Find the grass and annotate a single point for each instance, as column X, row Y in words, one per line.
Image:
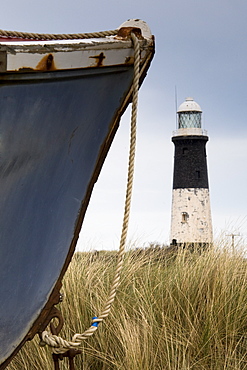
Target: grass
column 183, row 311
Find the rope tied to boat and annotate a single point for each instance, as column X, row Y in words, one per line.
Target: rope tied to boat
column 59, row 344
column 58, row 36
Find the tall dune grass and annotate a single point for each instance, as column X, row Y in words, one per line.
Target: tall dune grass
column 173, row 311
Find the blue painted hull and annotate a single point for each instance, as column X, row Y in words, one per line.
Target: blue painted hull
column 55, row 131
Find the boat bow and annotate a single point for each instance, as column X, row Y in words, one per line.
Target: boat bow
column 60, row 106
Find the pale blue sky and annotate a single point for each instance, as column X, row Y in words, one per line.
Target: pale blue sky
column 201, row 49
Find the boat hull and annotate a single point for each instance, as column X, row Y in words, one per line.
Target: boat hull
column 55, row 130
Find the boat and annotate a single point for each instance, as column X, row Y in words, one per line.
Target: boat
column 60, row 107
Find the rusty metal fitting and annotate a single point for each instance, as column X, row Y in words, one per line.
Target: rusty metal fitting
column 124, row 33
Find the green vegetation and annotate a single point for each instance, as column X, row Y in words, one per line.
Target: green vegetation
column 174, row 311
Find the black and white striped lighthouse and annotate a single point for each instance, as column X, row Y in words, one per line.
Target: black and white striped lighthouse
column 191, row 222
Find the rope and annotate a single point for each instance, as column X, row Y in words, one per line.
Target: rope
column 50, row 36
column 59, row 344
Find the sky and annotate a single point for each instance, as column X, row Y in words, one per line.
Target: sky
column 201, row 51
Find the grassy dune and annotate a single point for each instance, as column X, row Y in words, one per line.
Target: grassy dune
column 173, row 311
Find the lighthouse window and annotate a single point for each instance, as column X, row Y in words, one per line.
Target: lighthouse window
column 189, row 120
column 185, row 150
column 198, row 174
column 185, row 217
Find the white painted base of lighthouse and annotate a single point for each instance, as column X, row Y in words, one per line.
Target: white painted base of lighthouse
column 191, row 216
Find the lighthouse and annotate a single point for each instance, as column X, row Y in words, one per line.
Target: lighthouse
column 191, row 223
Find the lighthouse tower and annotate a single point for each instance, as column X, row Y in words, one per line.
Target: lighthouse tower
column 191, row 223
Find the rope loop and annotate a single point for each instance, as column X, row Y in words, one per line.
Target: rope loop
column 58, row 344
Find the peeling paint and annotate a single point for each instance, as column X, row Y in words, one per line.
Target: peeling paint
column 198, row 225
column 86, row 54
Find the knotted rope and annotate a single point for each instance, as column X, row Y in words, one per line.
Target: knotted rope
column 59, row 344
column 48, row 36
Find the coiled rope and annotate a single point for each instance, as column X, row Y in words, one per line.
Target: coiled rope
column 59, row 344
column 60, row 36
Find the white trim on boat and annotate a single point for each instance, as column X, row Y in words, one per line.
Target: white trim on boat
column 72, row 54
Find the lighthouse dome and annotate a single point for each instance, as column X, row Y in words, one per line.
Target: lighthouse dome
column 189, row 105
column 189, row 115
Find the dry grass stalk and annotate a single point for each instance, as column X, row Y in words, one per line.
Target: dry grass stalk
column 175, row 312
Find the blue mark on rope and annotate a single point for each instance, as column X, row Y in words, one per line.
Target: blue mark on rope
column 95, row 323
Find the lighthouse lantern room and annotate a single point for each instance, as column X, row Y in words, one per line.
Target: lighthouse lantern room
column 191, row 223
